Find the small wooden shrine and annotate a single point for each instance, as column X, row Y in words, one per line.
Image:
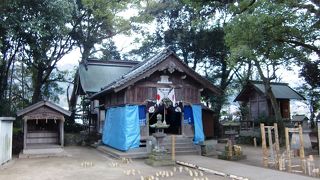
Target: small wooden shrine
column 43, row 128
column 259, row 105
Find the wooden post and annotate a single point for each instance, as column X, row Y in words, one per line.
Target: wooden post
column 276, row 138
column 229, row 149
column 288, row 149
column 264, row 146
column 62, row 132
column 270, row 143
column 147, row 123
column 255, row 142
column 302, row 157
column 318, row 124
column 173, row 148
column 25, row 131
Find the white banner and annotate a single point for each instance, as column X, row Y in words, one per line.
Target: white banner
column 166, row 93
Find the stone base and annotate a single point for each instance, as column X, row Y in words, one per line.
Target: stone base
column 232, row 158
column 153, row 162
column 159, row 158
column 40, row 152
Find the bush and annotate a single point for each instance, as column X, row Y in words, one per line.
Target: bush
column 17, row 140
column 73, row 127
column 248, row 140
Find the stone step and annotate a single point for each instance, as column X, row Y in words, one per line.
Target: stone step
column 133, row 153
column 186, row 152
column 179, row 140
column 178, row 149
column 178, row 144
column 42, row 140
column 39, row 135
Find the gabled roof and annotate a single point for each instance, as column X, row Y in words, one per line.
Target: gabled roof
column 97, row 74
column 149, row 65
column 299, row 118
column 43, row 103
column 280, row 91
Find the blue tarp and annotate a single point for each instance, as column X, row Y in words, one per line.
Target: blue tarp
column 188, row 115
column 198, row 128
column 121, row 128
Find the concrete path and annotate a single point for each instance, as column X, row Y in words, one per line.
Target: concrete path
column 235, row 168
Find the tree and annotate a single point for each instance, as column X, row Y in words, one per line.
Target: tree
column 95, row 21
column 272, row 33
column 45, row 35
column 10, row 45
column 311, row 89
column 109, row 51
column 196, row 36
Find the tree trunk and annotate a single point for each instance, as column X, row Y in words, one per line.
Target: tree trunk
column 219, row 101
column 273, row 100
column 37, row 85
column 269, row 93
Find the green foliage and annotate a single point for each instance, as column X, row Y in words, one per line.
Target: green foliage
column 311, row 73
column 273, row 30
column 248, row 140
column 95, row 21
column 109, row 51
column 272, row 33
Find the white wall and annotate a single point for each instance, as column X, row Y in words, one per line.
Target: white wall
column 6, row 124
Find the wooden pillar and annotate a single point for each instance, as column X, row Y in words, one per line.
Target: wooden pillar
column 288, row 149
column 264, row 146
column 25, row 130
column 302, row 156
column 62, row 132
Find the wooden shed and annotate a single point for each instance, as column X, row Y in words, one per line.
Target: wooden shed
column 6, row 128
column 43, row 127
column 258, row 104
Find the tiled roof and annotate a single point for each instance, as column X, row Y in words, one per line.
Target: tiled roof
column 43, row 103
column 97, row 74
column 135, row 72
column 279, row 90
column 139, row 69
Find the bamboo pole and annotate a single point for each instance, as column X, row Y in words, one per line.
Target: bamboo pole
column 288, row 149
column 264, row 146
